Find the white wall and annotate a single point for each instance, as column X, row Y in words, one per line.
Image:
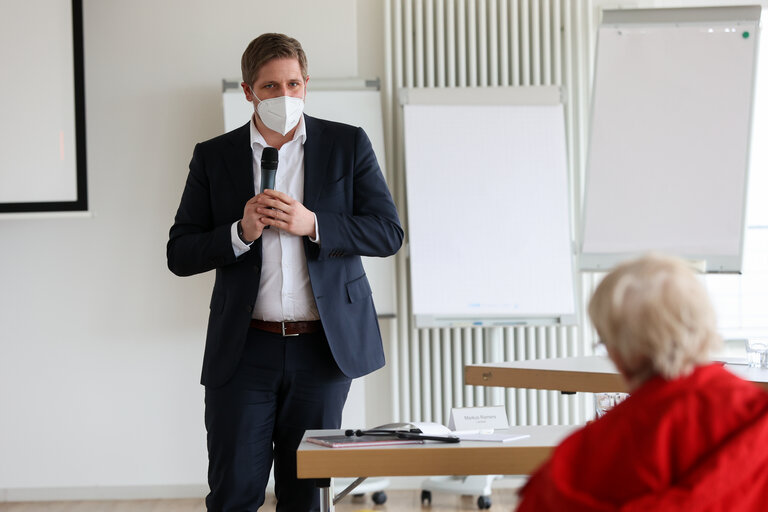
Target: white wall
column 100, row 345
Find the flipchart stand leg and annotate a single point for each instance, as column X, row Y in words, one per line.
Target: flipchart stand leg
column 494, row 342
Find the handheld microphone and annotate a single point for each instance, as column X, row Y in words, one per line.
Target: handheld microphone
column 268, row 168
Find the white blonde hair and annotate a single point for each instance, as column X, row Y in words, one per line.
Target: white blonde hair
column 655, row 317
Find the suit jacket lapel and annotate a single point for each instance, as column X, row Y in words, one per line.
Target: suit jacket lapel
column 240, row 169
column 317, row 152
column 240, row 163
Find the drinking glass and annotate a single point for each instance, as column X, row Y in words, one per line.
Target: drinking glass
column 757, row 352
column 604, row 402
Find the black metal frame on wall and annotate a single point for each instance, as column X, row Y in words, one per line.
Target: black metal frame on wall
column 81, row 202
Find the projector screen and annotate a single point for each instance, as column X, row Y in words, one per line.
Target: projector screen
column 42, row 129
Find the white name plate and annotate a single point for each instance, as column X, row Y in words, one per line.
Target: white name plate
column 478, row 418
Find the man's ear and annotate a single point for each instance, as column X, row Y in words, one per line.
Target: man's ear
column 247, row 91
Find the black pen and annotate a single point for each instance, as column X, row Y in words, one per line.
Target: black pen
column 379, row 432
column 426, row 437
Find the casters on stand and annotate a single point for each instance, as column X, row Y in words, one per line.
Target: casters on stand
column 379, row 497
column 472, row 485
column 484, row 502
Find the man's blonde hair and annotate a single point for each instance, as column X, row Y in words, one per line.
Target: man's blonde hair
column 654, row 315
column 267, row 47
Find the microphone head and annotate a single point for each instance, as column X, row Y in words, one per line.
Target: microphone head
column 269, row 159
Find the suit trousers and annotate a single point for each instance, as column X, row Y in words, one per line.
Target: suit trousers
column 282, row 387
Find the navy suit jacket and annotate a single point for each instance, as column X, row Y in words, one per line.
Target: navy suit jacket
column 344, row 187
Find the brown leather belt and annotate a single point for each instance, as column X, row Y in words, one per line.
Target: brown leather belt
column 288, row 328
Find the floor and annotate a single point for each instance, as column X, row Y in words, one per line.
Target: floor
column 397, row 500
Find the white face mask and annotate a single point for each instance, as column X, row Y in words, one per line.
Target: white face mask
column 280, row 114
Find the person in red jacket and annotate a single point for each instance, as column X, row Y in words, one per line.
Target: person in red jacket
column 690, row 437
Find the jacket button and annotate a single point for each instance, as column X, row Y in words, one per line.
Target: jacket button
column 249, row 308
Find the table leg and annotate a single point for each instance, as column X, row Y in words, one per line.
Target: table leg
column 326, row 494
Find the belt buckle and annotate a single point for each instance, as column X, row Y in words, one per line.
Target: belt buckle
column 282, row 328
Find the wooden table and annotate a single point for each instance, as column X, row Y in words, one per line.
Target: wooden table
column 466, row 458
column 594, row 374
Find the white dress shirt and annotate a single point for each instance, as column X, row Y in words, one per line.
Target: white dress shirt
column 285, row 292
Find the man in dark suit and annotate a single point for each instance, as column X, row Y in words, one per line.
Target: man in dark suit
column 292, row 319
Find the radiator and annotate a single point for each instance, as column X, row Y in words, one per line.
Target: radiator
column 481, row 43
column 430, row 370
